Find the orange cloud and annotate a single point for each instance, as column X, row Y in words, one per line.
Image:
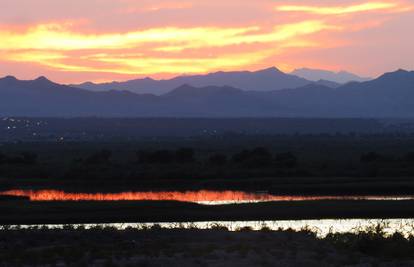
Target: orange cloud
column 338, row 10
column 163, row 38
column 152, row 50
column 57, row 37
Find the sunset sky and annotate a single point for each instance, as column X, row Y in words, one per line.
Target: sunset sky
column 102, row 40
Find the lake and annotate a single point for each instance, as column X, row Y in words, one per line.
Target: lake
column 207, row 197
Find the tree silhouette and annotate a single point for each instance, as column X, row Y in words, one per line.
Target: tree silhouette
column 258, row 157
column 29, row 157
column 184, row 155
column 286, row 160
column 409, row 157
column 371, row 157
column 155, row 157
column 217, row 159
column 100, row 157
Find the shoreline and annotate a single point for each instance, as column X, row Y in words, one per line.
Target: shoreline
column 28, row 213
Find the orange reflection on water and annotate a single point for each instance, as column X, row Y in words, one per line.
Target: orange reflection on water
column 202, row 196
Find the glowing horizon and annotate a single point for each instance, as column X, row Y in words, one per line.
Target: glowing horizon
column 73, row 42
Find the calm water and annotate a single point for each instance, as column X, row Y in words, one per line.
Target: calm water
column 205, row 197
column 320, row 227
column 202, row 196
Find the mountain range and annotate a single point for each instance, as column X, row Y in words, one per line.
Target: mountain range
column 263, row 80
column 341, row 77
column 390, row 95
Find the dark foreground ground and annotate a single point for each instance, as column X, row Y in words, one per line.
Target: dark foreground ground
column 26, row 212
column 217, row 247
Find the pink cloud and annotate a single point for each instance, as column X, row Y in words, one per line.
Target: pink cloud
column 73, row 41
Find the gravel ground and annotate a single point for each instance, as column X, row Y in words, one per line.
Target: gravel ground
column 218, row 247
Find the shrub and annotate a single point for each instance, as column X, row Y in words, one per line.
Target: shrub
column 286, row 160
column 258, row 157
column 24, row 158
column 371, row 157
column 184, row 155
column 158, row 157
column 218, row 159
column 100, row 157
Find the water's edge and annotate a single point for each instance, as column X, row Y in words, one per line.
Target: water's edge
column 320, row 227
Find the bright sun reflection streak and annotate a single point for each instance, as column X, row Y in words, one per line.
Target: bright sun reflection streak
column 320, row 227
column 202, row 197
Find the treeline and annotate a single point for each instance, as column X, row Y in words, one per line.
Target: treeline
column 182, row 155
column 26, row 158
column 373, row 157
column 189, row 163
column 249, row 158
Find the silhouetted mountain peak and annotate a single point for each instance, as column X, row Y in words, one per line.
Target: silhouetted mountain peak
column 271, row 70
column 398, row 74
column 182, row 90
column 9, row 78
column 43, row 80
column 88, row 84
column 402, row 70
